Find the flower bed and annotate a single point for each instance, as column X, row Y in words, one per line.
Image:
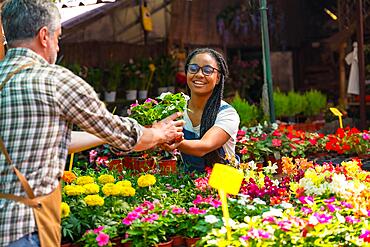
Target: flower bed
column 308, row 205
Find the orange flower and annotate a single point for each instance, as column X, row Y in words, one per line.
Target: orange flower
column 68, row 177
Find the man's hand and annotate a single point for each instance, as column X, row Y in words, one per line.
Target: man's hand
column 170, row 129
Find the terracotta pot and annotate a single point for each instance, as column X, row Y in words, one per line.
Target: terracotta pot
column 167, row 166
column 116, row 165
column 178, row 241
column 190, row 242
column 142, row 165
column 166, row 244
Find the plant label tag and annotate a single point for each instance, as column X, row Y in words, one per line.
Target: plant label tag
column 226, row 178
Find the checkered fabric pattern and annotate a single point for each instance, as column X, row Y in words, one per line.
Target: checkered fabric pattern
column 37, row 107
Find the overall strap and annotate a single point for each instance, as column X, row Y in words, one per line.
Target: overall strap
column 20, row 176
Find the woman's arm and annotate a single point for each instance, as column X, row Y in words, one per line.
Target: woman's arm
column 213, row 139
column 81, row 141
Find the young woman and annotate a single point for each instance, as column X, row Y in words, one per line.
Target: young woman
column 211, row 124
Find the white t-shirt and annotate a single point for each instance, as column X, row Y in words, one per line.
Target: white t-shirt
column 227, row 119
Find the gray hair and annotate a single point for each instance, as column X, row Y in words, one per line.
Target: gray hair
column 23, row 19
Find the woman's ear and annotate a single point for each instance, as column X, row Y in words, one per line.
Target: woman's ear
column 218, row 78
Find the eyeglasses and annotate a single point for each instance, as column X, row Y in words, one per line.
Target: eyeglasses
column 207, row 70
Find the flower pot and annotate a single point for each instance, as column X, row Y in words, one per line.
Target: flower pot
column 167, row 166
column 190, row 242
column 178, row 241
column 143, row 94
column 116, row 165
column 110, row 96
column 131, row 94
column 166, row 244
column 162, row 90
column 142, row 165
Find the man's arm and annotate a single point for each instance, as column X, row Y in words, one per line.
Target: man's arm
column 81, row 141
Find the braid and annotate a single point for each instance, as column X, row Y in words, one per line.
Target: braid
column 213, row 104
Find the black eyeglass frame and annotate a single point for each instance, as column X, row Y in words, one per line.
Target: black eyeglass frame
column 201, row 68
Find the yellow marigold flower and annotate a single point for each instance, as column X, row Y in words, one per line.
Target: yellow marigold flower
column 84, row 180
column 124, row 183
column 73, row 190
column 127, row 191
column 105, row 178
column 110, row 189
column 146, row 180
column 91, row 189
column 68, row 177
column 94, row 200
column 65, row 210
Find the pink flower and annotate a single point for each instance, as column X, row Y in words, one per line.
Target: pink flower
column 194, row 210
column 365, row 234
column 332, row 208
column 164, row 212
column 285, row 225
column 215, row 203
column 149, row 100
column 365, row 136
column 134, row 104
column 102, row 239
column 241, row 133
column 276, row 142
column 99, row 229
column 331, row 199
column 346, row 204
column 306, row 200
column 151, row 218
column 323, row 218
column 126, row 222
column 306, row 210
column 352, row 219
column 178, row 211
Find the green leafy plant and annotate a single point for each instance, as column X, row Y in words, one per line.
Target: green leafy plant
column 114, row 77
column 281, row 103
column 296, row 103
column 165, row 74
column 316, row 102
column 152, row 110
column 249, row 114
column 95, row 78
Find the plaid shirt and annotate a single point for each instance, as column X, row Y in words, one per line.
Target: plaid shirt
column 37, row 107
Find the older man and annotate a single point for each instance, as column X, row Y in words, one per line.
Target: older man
column 38, row 103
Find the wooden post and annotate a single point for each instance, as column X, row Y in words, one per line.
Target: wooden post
column 342, row 75
column 361, row 63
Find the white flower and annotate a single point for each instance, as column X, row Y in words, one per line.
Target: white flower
column 286, row 205
column 161, row 97
column 252, row 165
column 211, row 219
column 271, row 168
column 313, row 220
column 277, row 212
column 250, row 207
column 340, row 218
column 259, row 201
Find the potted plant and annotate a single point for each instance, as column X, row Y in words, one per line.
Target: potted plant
column 249, row 114
column 132, row 75
column 316, row 102
column 165, row 74
column 95, row 78
column 147, row 69
column 114, row 78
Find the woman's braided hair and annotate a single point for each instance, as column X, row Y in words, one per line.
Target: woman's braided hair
column 213, row 104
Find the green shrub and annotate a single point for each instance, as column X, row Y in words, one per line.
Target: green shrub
column 296, row 104
column 316, row 103
column 249, row 114
column 281, row 103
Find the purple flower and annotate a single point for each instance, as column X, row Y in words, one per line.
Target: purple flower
column 332, row 208
column 346, row 204
column 306, row 210
column 352, row 219
column 364, row 234
column 330, row 200
column 323, row 218
column 102, row 239
column 306, row 200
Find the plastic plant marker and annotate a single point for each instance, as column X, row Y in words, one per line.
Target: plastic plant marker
column 337, row 113
column 114, row 110
column 71, row 161
column 227, row 180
